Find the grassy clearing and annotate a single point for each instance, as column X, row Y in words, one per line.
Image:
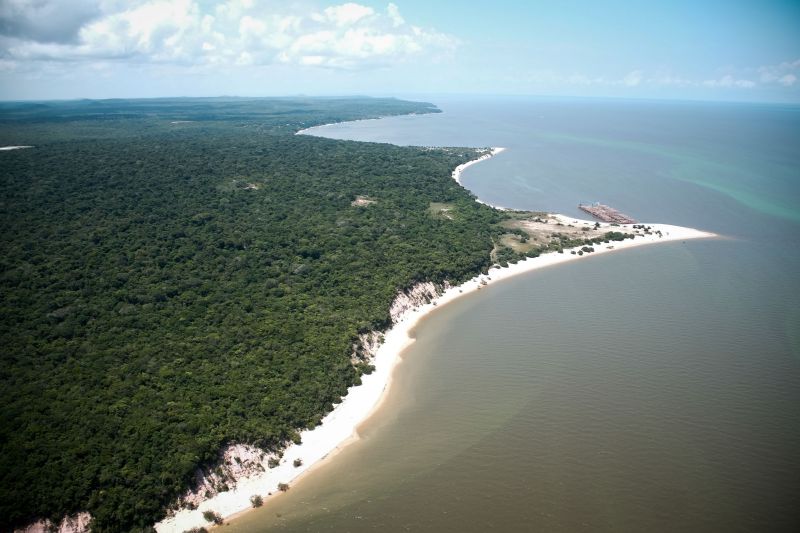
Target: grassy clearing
column 441, row 210
column 518, row 243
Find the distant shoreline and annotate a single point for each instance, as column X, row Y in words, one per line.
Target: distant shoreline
column 9, row 148
column 340, row 426
column 305, row 131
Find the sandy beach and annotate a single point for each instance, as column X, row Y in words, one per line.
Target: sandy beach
column 340, row 426
column 462, row 167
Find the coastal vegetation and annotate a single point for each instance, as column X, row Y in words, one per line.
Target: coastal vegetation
column 182, row 274
column 213, row 517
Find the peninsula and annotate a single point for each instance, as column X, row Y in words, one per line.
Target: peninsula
column 554, row 239
column 201, row 305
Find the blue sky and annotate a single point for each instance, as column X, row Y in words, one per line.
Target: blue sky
column 707, row 50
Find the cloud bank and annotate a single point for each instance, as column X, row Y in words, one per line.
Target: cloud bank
column 782, row 75
column 221, row 33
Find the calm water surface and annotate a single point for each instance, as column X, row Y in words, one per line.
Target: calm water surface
column 656, row 389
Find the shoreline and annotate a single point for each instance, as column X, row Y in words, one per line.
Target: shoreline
column 462, row 167
column 493, row 151
column 305, row 131
column 340, row 427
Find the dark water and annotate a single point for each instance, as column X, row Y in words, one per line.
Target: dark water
column 656, row 389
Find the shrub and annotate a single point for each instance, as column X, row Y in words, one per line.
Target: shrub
column 297, row 462
column 283, row 487
column 272, row 462
column 212, row 516
column 256, row 500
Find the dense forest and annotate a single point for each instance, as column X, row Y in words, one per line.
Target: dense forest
column 178, row 274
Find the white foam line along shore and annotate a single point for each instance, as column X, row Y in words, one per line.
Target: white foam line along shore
column 7, row 148
column 339, row 427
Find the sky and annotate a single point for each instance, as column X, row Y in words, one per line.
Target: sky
column 732, row 50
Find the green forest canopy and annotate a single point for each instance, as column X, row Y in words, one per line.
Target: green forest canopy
column 178, row 274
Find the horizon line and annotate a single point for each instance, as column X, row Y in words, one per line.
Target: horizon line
column 405, row 95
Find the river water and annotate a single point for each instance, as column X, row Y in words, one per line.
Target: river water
column 656, row 389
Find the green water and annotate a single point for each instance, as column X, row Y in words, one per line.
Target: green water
column 752, row 190
column 654, row 389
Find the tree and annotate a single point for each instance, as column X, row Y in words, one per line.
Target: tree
column 212, row 516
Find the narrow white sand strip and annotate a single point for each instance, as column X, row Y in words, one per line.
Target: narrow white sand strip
column 340, row 426
column 6, row 148
column 460, row 169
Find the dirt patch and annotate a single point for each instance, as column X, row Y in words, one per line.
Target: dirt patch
column 542, row 228
column 362, row 201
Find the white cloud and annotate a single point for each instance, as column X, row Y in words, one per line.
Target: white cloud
column 394, row 13
column 642, row 79
column 236, row 32
column 633, row 78
column 51, row 21
column 784, row 74
column 346, row 14
column 662, row 79
column 728, row 81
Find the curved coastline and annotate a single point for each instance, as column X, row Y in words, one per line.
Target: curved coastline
column 340, row 426
column 305, row 131
column 462, row 167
